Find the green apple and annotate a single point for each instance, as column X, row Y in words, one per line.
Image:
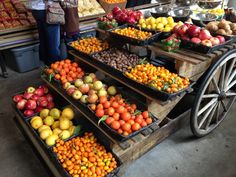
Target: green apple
column 77, row 95
column 112, row 90
column 55, row 113
column 64, row 134
column 56, row 124
column 88, row 79
column 45, row 133
column 49, row 120
column 78, row 82
column 51, row 140
column 43, row 127
column 57, row 131
column 44, row 113
column 102, row 92
column 64, row 123
column 30, row 89
column 97, row 85
column 36, row 123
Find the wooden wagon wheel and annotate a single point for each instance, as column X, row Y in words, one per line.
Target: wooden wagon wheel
column 215, row 96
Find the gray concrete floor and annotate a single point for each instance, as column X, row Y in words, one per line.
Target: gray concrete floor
column 180, row 155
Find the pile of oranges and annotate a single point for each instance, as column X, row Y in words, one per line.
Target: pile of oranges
column 121, row 116
column 84, row 156
column 158, row 77
column 133, row 33
column 90, row 45
column 65, row 71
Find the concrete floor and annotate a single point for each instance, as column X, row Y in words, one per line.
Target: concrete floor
column 178, row 156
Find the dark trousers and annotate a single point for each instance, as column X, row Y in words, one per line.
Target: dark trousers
column 49, row 37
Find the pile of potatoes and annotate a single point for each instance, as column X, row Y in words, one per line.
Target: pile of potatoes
column 222, row 27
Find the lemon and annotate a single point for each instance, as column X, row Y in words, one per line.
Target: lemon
column 170, row 20
column 164, row 21
column 167, row 29
column 141, row 21
column 158, row 20
column 149, row 27
column 154, row 26
column 172, row 25
column 152, row 21
column 144, row 25
column 160, row 25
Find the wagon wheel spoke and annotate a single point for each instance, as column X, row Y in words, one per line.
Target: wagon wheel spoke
column 217, row 112
column 230, row 78
column 209, row 120
column 210, row 96
column 230, row 94
column 222, row 77
column 207, row 106
column 229, row 71
column 230, row 86
column 206, row 115
column 215, row 85
column 223, row 105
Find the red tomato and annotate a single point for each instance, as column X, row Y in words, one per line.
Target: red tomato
column 120, row 131
column 102, row 99
column 149, row 120
column 93, row 107
column 99, row 112
column 114, row 104
column 99, row 106
column 131, row 122
column 122, row 122
column 139, row 116
column 136, row 126
column 145, row 114
column 138, row 120
column 111, row 111
column 120, row 109
column 126, row 116
column 125, row 133
column 144, row 123
column 133, row 106
column 116, row 116
column 109, row 120
column 106, row 104
column 115, row 125
column 126, row 127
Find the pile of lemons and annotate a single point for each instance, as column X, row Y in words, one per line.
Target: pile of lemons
column 164, row 24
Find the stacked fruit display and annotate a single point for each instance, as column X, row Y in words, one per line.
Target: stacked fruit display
column 118, row 59
column 90, row 45
column 197, row 35
column 54, row 124
column 84, row 156
column 120, row 115
column 158, row 77
column 86, row 90
column 125, row 15
column 164, row 24
column 65, row 71
column 33, row 100
column 106, row 23
column 133, row 33
column 222, row 27
column 114, row 1
column 89, row 7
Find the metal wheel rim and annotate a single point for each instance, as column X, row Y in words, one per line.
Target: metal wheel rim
column 210, row 112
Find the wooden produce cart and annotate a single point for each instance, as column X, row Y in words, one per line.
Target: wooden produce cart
column 215, row 94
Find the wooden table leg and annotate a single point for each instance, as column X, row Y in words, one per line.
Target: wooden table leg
column 3, row 66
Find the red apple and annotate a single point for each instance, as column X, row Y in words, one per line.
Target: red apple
column 84, row 88
column 39, row 91
column 193, row 31
column 45, row 88
column 196, row 40
column 35, row 97
column 42, row 101
column 17, row 98
column 175, row 29
column 110, row 16
column 116, row 10
column 38, row 109
column 50, row 105
column 31, row 104
column 184, row 37
column 215, row 41
column 49, row 97
column 70, row 90
column 21, row 104
column 221, row 38
column 182, row 29
column 207, row 43
column 28, row 95
column 28, row 112
column 204, row 34
column 132, row 20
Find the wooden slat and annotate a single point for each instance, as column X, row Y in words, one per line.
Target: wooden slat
column 17, row 29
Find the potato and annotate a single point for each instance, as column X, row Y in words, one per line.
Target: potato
column 229, row 32
column 212, row 27
column 233, row 26
column 221, row 31
column 222, row 24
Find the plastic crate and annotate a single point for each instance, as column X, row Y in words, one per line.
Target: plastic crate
column 23, row 59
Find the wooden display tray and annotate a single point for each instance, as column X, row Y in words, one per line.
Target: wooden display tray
column 17, row 29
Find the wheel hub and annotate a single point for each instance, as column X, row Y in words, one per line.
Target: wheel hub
column 222, row 95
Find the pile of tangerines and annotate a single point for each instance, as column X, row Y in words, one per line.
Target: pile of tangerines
column 84, row 157
column 133, row 33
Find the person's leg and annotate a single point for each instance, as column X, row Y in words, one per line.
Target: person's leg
column 53, row 42
column 39, row 16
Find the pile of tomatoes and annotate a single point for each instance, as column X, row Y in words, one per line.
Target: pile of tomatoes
column 120, row 115
column 84, row 156
column 158, row 77
column 65, row 71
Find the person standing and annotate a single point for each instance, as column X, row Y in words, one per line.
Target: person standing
column 49, row 34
